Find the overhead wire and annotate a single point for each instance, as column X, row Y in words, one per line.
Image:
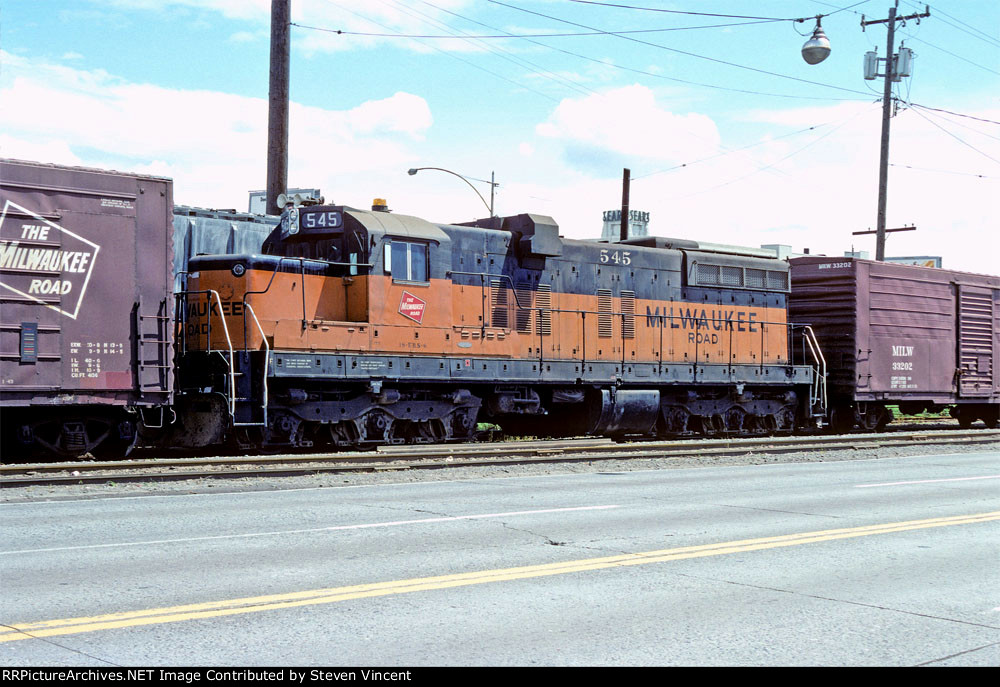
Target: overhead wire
column 957, row 114
column 728, row 152
column 943, row 171
column 630, row 69
column 910, row 35
column 974, row 32
column 730, row 16
column 700, row 14
column 562, row 34
column 960, row 140
column 504, row 54
column 816, row 140
column 451, row 55
column 531, row 38
column 933, row 113
column 677, row 50
column 442, row 9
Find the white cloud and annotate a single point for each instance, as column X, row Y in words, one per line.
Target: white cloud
column 810, row 189
column 213, row 144
column 245, row 37
column 628, row 122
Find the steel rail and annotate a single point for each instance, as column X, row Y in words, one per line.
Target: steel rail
column 442, row 457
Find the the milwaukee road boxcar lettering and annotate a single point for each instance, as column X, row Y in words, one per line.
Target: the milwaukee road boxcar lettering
column 15, row 257
column 32, row 267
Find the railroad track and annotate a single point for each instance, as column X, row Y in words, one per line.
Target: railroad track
column 459, row 455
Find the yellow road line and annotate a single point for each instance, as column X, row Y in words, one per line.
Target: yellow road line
column 214, row 609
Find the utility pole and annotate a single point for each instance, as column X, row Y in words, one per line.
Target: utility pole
column 883, row 171
column 277, row 112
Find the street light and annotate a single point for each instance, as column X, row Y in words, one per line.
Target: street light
column 817, row 48
column 412, row 171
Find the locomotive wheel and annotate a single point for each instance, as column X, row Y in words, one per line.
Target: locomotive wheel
column 285, row 430
column 735, row 419
column 842, row 419
column 378, row 426
column 344, row 434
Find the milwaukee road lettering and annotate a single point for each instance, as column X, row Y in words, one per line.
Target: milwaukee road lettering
column 197, row 312
column 56, row 274
column 15, row 257
column 703, row 322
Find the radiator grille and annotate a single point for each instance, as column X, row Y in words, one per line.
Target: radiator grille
column 543, row 301
column 499, row 304
column 604, row 325
column 628, row 314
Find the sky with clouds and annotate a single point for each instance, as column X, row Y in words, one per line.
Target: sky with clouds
column 729, row 135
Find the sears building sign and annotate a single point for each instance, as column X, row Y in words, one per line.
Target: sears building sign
column 43, row 261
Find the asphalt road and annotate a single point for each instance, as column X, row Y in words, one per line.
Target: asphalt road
column 870, row 562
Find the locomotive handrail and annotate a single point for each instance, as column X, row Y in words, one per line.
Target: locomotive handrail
column 282, row 258
column 229, row 343
column 810, row 338
column 267, row 363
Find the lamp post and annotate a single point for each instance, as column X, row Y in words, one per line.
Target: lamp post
column 412, row 171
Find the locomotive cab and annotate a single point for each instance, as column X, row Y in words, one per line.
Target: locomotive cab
column 320, row 233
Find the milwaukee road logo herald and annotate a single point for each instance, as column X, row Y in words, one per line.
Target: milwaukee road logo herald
column 412, row 307
column 44, row 262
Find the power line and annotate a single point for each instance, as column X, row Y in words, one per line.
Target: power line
column 729, row 151
column 963, row 142
column 676, row 50
column 700, row 14
column 530, row 38
column 957, row 114
column 778, row 162
column 849, row 8
column 564, row 34
column 728, row 16
column 944, row 171
column 964, row 126
column 975, row 33
column 975, row 64
column 504, row 54
column 451, row 55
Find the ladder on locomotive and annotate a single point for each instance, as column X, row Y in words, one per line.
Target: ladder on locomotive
column 246, row 392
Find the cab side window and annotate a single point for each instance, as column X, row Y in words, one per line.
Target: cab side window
column 406, row 261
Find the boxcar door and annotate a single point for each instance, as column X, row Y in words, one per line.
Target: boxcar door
column 976, row 355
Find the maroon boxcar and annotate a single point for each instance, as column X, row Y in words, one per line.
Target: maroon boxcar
column 86, row 307
column 916, row 337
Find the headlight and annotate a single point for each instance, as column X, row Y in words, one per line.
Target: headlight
column 293, row 221
column 239, row 269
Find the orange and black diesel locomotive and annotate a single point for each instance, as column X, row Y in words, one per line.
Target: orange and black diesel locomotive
column 355, row 328
column 127, row 321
